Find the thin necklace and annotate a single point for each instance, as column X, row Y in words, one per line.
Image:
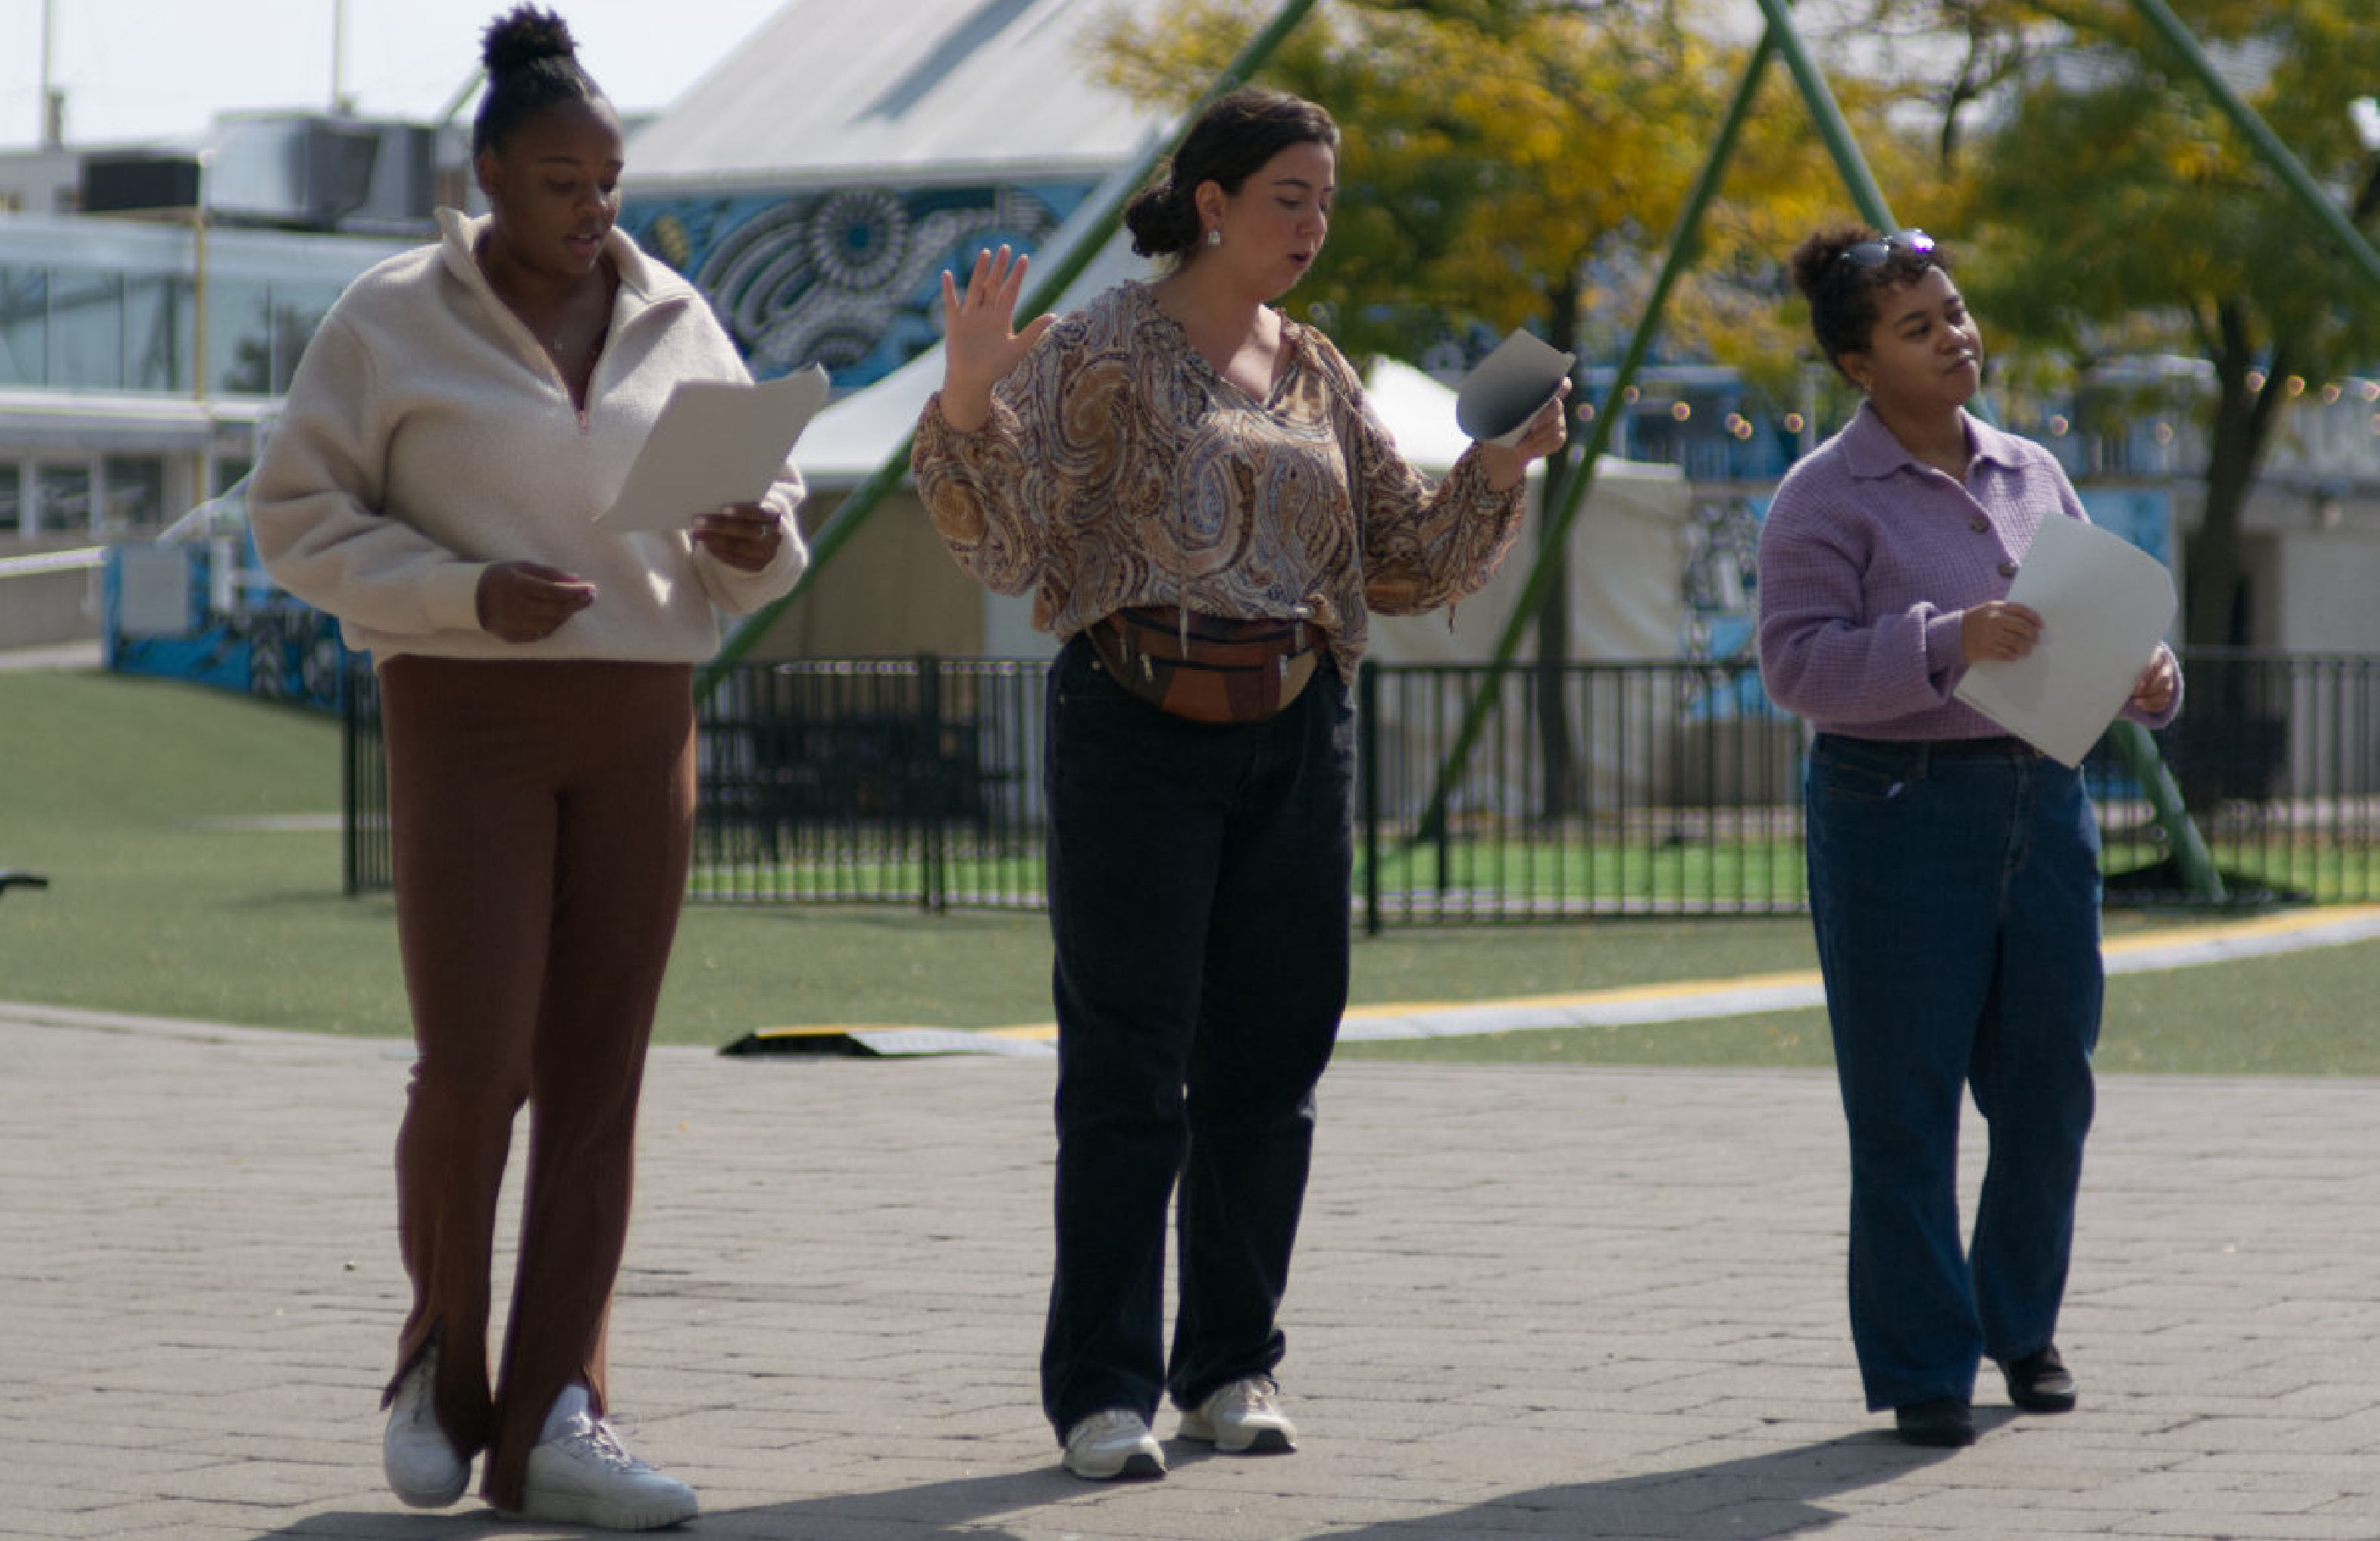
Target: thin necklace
column 551, row 342
column 563, row 353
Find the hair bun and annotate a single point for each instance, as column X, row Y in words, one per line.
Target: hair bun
column 1814, row 260
column 523, row 36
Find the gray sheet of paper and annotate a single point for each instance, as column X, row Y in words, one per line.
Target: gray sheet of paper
column 1508, row 387
column 716, row 442
column 2104, row 605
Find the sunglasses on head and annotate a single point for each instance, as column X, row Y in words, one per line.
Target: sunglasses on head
column 1874, row 254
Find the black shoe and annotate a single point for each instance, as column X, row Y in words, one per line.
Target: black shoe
column 2040, row 1382
column 1941, row 1423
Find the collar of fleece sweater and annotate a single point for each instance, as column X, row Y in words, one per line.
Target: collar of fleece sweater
column 649, row 282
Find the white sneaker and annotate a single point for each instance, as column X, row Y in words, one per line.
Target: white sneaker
column 422, row 1469
column 1243, row 1414
column 1113, row 1443
column 580, row 1474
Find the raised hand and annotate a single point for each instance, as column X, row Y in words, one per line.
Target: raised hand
column 980, row 345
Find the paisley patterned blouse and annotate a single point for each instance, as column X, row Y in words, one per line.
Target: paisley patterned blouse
column 1119, row 469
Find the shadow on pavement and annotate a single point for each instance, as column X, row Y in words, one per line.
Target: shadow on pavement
column 1777, row 1493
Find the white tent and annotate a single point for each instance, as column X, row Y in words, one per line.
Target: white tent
column 1625, row 571
column 1627, row 547
column 828, row 93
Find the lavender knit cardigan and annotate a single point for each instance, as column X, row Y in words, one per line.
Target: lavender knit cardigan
column 1868, row 557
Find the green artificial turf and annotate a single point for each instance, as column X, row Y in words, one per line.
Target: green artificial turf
column 191, row 841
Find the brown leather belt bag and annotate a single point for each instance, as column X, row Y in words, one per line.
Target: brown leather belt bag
column 1211, row 670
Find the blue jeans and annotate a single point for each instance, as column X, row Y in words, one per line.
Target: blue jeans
column 1198, row 881
column 1956, row 901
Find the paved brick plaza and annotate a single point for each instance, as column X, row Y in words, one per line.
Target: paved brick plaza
column 1530, row 1302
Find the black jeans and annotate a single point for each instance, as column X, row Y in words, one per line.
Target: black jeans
column 1198, row 900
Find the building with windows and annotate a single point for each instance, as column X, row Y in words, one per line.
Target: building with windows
column 134, row 368
column 153, row 303
column 816, row 183
column 141, row 352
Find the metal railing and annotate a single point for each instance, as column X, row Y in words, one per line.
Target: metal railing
column 1597, row 790
column 363, row 784
column 908, row 781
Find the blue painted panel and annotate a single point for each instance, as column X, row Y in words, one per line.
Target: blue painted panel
column 849, row 277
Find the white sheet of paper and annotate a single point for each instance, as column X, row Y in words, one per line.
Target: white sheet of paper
column 716, row 442
column 1499, row 397
column 2104, row 604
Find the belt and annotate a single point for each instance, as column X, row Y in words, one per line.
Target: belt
column 2000, row 746
column 1212, row 641
column 1208, row 668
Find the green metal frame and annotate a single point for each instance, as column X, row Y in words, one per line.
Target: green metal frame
column 1779, row 38
column 2132, row 742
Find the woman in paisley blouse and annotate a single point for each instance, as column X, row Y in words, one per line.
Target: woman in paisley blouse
column 1190, row 485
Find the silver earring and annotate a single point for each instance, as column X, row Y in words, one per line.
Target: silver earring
column 1214, row 237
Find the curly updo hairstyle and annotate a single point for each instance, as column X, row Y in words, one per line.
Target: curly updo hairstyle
column 1843, row 270
column 1235, row 136
column 532, row 63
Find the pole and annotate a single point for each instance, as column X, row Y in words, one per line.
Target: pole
column 854, row 511
column 2130, row 741
column 2261, row 137
column 340, row 105
column 52, row 124
column 1551, row 559
column 1826, row 115
column 200, row 339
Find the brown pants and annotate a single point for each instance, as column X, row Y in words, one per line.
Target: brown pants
column 541, row 815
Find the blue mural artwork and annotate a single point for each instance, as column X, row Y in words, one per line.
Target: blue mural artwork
column 205, row 612
column 2142, row 515
column 1722, row 588
column 847, row 277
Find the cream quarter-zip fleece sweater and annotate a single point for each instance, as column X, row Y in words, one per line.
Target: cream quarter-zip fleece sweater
column 427, row 437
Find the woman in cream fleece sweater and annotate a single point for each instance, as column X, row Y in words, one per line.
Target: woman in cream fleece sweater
column 465, row 413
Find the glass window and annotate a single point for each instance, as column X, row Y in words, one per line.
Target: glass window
column 12, row 500
column 297, row 313
column 24, row 326
column 181, row 328
column 152, row 342
column 136, row 493
column 62, row 498
column 239, row 337
column 261, row 331
column 87, row 336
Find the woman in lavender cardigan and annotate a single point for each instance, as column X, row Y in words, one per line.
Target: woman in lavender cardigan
column 1954, row 872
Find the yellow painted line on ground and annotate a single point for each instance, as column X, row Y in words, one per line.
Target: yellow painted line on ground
column 2279, row 924
column 2214, row 940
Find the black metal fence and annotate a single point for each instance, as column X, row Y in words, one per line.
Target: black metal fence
column 1586, row 790
column 904, row 780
